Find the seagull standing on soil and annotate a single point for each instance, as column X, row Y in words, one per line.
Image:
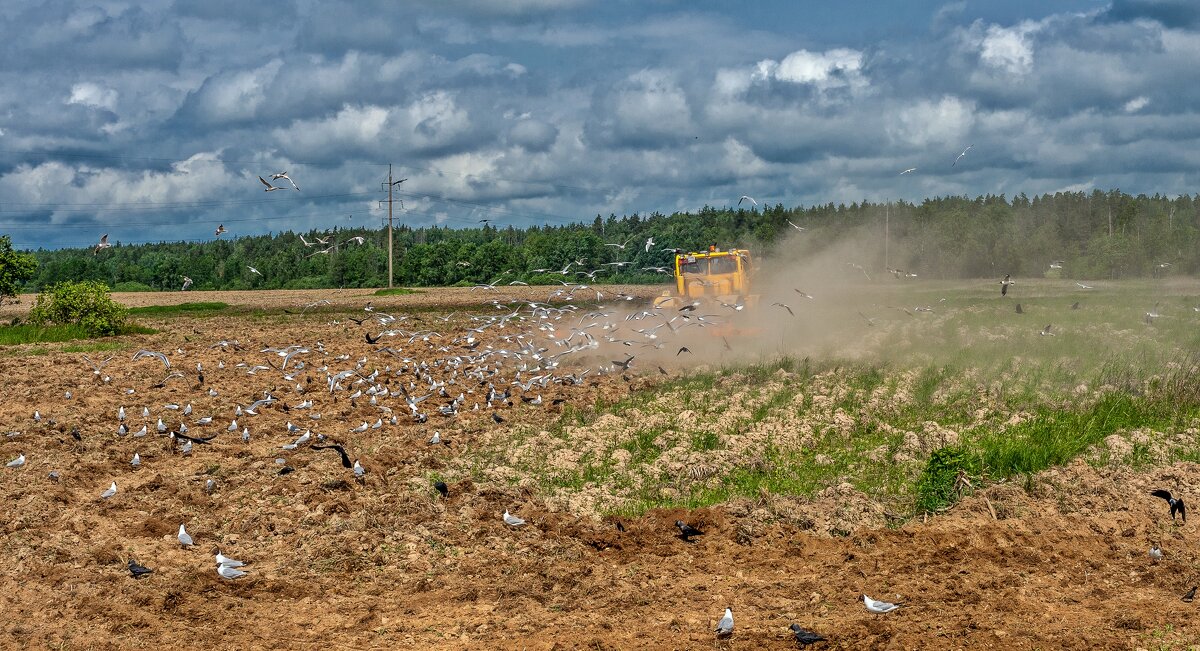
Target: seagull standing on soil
column 112, row 490
column 512, row 520
column 16, row 463
column 725, row 626
column 185, row 538
column 878, row 607
column 228, row 572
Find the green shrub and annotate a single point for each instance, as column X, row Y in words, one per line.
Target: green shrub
column 132, row 286
column 15, row 268
column 936, row 488
column 84, row 303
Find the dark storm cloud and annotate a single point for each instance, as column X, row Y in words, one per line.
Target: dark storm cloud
column 1184, row 14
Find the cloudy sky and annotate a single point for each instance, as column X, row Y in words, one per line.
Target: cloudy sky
column 152, row 120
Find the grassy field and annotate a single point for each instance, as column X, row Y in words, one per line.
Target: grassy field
column 937, row 404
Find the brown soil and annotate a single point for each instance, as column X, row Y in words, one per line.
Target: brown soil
column 385, row 563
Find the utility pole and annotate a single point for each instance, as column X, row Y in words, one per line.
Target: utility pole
column 390, row 226
column 391, row 184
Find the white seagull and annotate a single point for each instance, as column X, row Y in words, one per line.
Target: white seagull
column 16, row 463
column 908, row 171
column 185, row 539
column 103, row 244
column 112, row 490
column 283, row 175
column 878, row 607
column 512, row 520
column 228, row 572
column 270, row 188
column 253, row 270
column 725, row 626
column 964, row 153
column 746, row 197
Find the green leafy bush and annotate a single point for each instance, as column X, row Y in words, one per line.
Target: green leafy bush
column 15, row 268
column 84, row 303
column 939, row 485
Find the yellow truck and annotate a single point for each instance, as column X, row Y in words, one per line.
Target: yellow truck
column 714, row 276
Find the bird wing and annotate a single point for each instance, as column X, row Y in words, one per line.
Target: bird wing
column 264, row 182
column 1165, row 494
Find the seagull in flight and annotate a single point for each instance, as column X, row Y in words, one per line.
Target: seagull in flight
column 649, row 243
column 103, row 244
column 142, row 354
column 187, row 282
column 283, row 175
column 964, row 153
column 746, row 197
column 1083, row 286
column 620, row 246
column 253, row 270
column 785, row 306
column 270, row 188
column 908, row 171
column 799, row 228
column 221, row 230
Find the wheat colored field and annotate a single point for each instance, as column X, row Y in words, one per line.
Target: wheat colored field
column 794, row 440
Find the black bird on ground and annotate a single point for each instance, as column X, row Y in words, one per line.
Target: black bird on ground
column 340, row 450
column 138, row 571
column 193, row 439
column 804, row 637
column 442, row 488
column 1176, row 503
column 620, row 527
column 496, row 418
column 686, row 531
column 1019, row 310
column 1187, row 598
column 286, row 470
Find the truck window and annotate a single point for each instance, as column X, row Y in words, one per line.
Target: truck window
column 723, row 265
column 693, row 267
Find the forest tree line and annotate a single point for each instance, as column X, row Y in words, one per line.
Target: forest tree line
column 1096, row 235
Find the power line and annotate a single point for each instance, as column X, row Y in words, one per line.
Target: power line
column 161, row 205
column 54, row 154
